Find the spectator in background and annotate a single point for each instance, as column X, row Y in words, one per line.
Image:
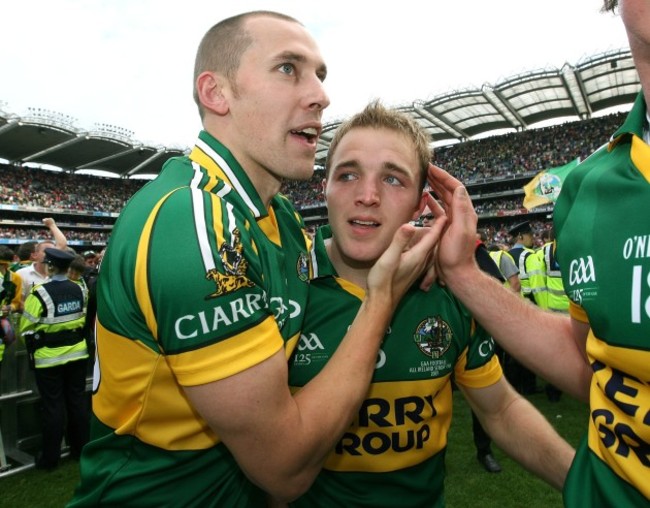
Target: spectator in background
column 507, row 266
column 10, row 284
column 522, row 252
column 25, row 254
column 550, row 294
column 78, row 268
column 90, row 278
column 90, row 258
column 482, row 440
column 78, row 272
column 10, row 297
column 37, row 273
column 389, row 455
column 51, row 325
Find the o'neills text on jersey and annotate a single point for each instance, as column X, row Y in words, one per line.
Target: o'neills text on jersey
column 637, row 247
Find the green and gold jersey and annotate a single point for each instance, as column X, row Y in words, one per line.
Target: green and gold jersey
column 393, row 452
column 603, row 247
column 200, row 282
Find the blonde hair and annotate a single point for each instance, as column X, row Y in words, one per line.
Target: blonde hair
column 376, row 116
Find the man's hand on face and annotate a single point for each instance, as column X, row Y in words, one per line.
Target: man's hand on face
column 455, row 250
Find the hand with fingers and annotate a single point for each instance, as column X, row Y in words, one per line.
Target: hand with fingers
column 409, row 255
column 455, row 250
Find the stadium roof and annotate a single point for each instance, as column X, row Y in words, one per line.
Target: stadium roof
column 597, row 83
column 47, row 137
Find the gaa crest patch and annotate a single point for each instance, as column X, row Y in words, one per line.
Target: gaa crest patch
column 235, row 266
column 433, row 336
column 302, row 267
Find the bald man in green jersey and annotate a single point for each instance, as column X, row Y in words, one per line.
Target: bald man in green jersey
column 202, row 290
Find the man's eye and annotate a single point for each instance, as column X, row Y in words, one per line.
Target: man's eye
column 344, row 177
column 393, row 180
column 287, row 68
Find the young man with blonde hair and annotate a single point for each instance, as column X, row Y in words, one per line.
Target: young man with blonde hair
column 392, row 453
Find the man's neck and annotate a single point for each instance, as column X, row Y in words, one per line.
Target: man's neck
column 346, row 269
column 41, row 268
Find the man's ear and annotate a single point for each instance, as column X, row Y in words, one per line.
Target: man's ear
column 210, row 88
column 323, row 185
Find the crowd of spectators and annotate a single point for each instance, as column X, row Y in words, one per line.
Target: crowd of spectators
column 19, row 235
column 306, row 194
column 497, row 233
column 494, row 206
column 477, row 162
column 532, row 150
column 30, row 187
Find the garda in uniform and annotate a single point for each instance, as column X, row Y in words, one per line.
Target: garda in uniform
column 51, row 326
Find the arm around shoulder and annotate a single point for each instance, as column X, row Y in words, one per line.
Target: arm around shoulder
column 280, row 440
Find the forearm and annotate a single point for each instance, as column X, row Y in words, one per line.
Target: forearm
column 60, row 241
column 327, row 405
column 280, row 441
column 543, row 341
column 526, row 436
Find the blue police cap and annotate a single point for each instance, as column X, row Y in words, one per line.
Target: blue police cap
column 59, row 258
column 520, row 229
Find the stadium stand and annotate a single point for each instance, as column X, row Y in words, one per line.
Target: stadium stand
column 495, row 169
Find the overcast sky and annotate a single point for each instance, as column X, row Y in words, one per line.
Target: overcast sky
column 129, row 62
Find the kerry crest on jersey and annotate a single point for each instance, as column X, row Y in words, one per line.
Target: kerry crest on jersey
column 433, row 336
column 235, row 266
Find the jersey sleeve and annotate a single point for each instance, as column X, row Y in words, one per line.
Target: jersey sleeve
column 477, row 366
column 199, row 282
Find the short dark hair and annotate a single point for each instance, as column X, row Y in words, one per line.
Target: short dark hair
column 78, row 264
column 25, row 250
column 222, row 46
column 6, row 254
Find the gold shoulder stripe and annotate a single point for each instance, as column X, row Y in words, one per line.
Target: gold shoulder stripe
column 227, row 357
column 141, row 278
column 640, row 155
column 351, row 288
column 214, row 171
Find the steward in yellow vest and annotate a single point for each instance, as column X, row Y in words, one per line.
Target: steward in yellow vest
column 521, row 252
column 555, row 298
column 507, row 267
column 52, row 325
